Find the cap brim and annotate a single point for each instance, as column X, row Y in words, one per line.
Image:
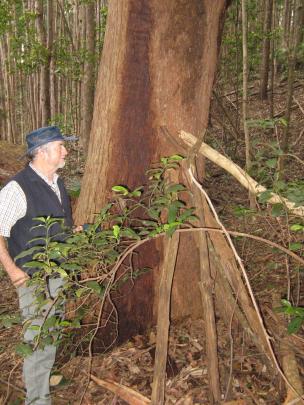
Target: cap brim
column 70, row 138
column 65, row 138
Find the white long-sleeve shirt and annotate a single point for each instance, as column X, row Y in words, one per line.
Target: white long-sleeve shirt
column 13, row 204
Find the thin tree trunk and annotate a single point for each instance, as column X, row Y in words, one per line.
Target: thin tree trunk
column 245, row 95
column 88, row 84
column 292, row 53
column 272, row 65
column 286, row 23
column 266, row 49
column 51, row 12
column 4, row 58
column 45, row 67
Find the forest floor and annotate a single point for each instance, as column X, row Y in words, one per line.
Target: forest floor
column 245, row 374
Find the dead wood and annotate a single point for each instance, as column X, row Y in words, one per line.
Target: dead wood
column 129, row 395
column 163, row 322
column 232, row 274
column 288, row 358
column 231, row 313
column 206, row 286
column 238, row 173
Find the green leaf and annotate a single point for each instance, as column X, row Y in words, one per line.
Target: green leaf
column 172, row 213
column 129, row 233
column 174, row 188
column 176, row 158
column 137, row 192
column 146, row 222
column 96, row 287
column 296, row 227
column 65, row 323
column 80, row 292
column 277, row 210
column 71, row 266
column 23, row 349
column 62, row 272
column 295, row 246
column 295, row 325
column 28, row 252
column 120, row 189
column 41, row 219
column 265, row 196
column 154, row 213
column 171, row 228
column 36, row 264
column 7, row 321
column 186, row 214
column 34, row 327
column 50, row 322
column 286, row 303
column 271, row 163
column 116, row 231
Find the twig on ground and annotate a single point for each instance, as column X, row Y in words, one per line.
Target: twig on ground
column 12, row 385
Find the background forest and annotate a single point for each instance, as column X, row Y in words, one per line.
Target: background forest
column 53, row 64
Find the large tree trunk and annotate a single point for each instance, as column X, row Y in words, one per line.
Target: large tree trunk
column 157, row 68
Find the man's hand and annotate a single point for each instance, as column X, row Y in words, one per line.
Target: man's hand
column 78, row 228
column 18, row 276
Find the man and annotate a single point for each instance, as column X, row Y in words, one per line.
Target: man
column 36, row 191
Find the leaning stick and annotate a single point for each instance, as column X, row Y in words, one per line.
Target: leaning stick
column 238, row 173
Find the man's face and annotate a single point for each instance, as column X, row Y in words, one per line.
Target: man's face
column 55, row 154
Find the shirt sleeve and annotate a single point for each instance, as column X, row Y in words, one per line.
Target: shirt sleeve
column 13, row 207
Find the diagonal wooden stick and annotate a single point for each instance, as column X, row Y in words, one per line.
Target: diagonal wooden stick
column 129, row 395
column 238, row 173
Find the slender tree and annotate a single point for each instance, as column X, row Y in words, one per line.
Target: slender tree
column 264, row 71
column 245, row 94
column 293, row 40
column 88, row 82
column 45, row 66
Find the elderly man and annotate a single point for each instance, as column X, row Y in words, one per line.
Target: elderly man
column 36, row 191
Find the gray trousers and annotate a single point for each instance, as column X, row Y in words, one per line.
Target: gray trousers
column 37, row 366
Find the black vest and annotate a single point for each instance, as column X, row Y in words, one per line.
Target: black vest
column 41, row 202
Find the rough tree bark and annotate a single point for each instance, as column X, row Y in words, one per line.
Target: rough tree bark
column 154, row 71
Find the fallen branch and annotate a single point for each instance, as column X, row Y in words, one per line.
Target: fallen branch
column 129, row 395
column 238, row 173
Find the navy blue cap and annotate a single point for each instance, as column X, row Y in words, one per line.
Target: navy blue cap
column 42, row 136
